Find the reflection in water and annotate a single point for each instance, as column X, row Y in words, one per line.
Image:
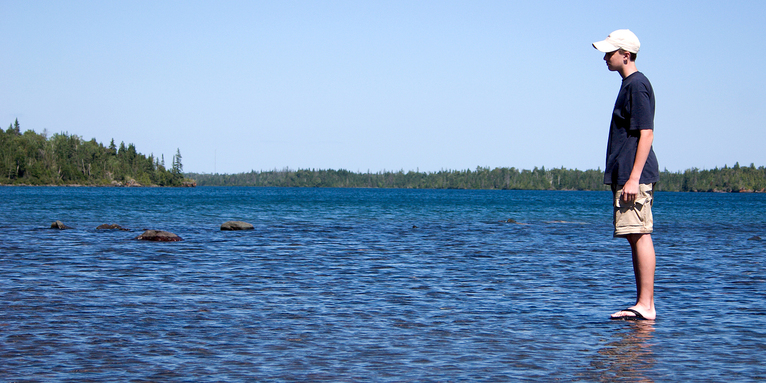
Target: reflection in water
column 628, row 355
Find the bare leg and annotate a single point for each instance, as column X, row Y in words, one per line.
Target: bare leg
column 642, row 249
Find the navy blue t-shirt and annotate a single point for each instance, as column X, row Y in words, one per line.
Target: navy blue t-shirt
column 633, row 112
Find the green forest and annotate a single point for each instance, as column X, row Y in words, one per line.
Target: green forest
column 726, row 179
column 62, row 159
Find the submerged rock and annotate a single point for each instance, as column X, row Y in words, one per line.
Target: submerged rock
column 60, row 226
column 236, row 225
column 755, row 238
column 513, row 221
column 113, row 226
column 158, row 235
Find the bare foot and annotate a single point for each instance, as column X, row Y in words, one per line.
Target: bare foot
column 635, row 313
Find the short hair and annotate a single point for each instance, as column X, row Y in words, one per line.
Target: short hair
column 632, row 55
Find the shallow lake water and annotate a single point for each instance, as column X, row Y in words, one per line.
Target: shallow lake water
column 349, row 285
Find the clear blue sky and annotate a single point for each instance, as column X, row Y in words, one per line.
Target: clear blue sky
column 383, row 85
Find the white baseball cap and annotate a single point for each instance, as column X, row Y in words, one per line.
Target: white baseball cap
column 619, row 39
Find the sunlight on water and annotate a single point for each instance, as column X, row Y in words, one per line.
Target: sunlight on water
column 373, row 285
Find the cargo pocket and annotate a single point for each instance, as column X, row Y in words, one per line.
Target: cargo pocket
column 644, row 196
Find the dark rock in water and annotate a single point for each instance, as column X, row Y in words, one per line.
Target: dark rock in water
column 113, row 226
column 158, row 235
column 755, row 238
column 510, row 220
column 132, row 183
column 236, row 225
column 60, row 226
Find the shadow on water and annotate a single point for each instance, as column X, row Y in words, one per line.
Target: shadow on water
column 627, row 354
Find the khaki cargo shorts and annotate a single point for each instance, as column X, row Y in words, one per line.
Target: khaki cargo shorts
column 636, row 217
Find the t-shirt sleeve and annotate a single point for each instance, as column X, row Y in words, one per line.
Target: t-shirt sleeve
column 641, row 108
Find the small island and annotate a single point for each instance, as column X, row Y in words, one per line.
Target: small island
column 68, row 160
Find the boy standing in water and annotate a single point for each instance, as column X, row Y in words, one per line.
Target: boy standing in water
column 631, row 166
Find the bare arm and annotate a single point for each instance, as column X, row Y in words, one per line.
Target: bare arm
column 630, row 190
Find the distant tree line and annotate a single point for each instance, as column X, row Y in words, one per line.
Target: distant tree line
column 734, row 179
column 481, row 178
column 727, row 179
column 35, row 159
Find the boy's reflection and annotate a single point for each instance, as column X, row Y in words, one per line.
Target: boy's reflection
column 628, row 355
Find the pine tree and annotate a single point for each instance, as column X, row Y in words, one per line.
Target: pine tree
column 178, row 167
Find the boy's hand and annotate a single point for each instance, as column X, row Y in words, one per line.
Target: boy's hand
column 630, row 191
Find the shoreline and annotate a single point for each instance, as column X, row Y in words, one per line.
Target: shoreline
column 194, row 185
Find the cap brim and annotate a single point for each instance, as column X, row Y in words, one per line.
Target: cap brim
column 605, row 47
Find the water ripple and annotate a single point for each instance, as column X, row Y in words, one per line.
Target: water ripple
column 371, row 285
